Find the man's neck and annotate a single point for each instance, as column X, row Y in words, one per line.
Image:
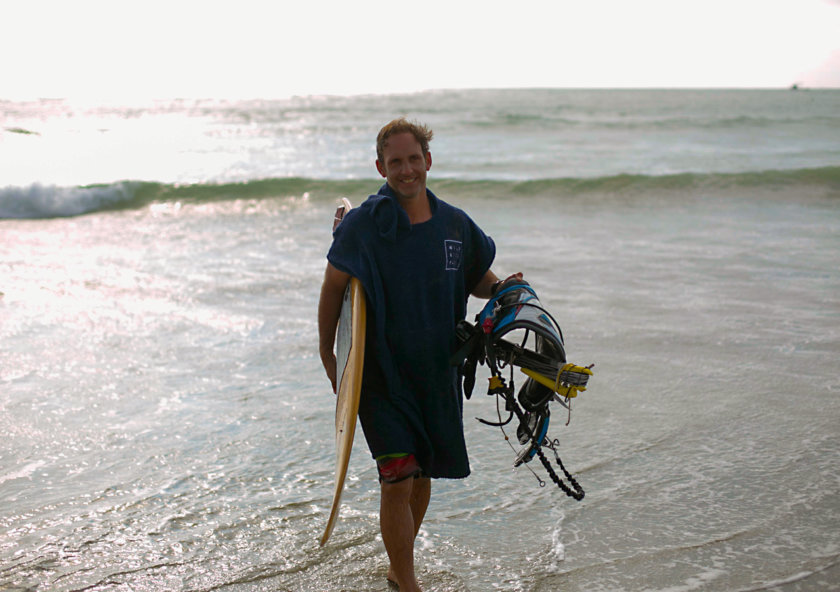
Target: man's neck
column 418, row 207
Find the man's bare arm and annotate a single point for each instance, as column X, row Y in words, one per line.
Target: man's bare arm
column 329, row 310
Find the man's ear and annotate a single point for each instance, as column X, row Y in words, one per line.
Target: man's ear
column 381, row 169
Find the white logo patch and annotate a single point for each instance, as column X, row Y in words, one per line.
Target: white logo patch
column 454, row 254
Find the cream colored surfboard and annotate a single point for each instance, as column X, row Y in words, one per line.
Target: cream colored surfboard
column 350, row 357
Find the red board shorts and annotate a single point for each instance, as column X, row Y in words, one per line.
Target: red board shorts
column 394, row 468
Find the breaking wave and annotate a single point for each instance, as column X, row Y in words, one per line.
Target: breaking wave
column 45, row 201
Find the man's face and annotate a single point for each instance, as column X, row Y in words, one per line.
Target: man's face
column 405, row 166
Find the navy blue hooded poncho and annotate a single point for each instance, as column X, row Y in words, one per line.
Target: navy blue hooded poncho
column 417, row 279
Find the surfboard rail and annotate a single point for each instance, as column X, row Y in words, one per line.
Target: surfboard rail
column 350, row 356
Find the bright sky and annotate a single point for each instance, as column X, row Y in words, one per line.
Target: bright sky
column 118, row 49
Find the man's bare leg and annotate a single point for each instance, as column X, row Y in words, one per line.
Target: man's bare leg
column 421, row 492
column 401, row 511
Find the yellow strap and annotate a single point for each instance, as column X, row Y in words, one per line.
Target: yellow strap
column 495, row 382
column 555, row 384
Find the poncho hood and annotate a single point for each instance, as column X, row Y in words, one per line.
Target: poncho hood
column 389, row 216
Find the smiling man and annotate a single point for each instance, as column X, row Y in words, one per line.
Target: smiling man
column 404, row 159
column 419, row 259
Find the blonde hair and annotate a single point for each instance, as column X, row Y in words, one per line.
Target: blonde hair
column 421, row 132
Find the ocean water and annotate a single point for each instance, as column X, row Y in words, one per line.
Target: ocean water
column 168, row 426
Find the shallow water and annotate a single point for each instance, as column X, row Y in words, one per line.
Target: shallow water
column 168, row 416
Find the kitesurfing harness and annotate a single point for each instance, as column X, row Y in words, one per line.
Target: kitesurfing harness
column 514, row 311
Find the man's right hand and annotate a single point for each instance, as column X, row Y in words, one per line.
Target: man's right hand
column 329, row 362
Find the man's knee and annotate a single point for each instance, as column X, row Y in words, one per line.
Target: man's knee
column 397, row 494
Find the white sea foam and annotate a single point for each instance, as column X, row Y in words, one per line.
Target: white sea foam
column 24, row 472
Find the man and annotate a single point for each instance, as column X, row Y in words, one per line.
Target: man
column 418, row 259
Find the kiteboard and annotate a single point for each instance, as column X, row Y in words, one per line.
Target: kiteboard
column 350, row 357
